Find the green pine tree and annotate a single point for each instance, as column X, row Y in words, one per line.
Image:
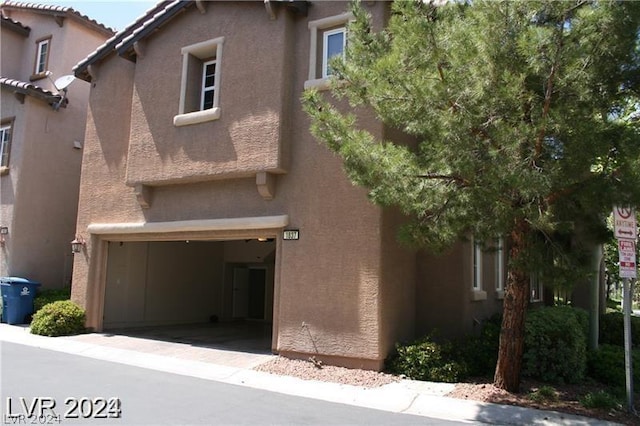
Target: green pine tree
column 522, row 116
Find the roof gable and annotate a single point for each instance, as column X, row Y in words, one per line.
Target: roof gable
column 124, row 42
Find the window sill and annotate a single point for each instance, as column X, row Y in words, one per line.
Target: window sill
column 38, row 76
column 196, row 117
column 500, row 294
column 4, row 170
column 477, row 295
column 318, row 84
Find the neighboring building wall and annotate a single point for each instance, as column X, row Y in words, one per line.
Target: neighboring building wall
column 40, row 191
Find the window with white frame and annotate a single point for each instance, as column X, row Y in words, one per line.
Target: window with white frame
column 477, row 293
column 5, row 145
column 200, row 83
column 477, row 266
column 328, row 38
column 42, row 56
column 333, row 44
column 535, row 287
column 208, row 84
column 500, row 267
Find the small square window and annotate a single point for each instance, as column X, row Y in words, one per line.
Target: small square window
column 42, row 56
column 5, row 145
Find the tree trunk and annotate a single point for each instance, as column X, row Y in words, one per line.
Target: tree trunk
column 516, row 298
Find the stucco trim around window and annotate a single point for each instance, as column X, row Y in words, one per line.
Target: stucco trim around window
column 477, row 292
column 316, row 81
column 226, row 224
column 196, row 117
column 193, row 57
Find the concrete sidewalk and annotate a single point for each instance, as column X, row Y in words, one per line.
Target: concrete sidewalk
column 406, row 396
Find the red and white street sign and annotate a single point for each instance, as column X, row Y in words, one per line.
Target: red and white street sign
column 624, row 223
column 627, row 253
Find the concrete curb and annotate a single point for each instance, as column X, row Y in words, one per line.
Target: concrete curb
column 406, row 396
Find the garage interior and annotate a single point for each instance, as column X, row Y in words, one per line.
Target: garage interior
column 216, row 294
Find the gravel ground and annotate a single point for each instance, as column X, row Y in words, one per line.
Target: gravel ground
column 567, row 400
column 309, row 370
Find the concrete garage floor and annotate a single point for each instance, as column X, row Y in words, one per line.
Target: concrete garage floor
column 243, row 344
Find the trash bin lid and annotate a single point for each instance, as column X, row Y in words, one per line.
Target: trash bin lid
column 16, row 280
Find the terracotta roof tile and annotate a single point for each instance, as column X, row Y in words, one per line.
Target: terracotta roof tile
column 49, row 8
column 29, row 89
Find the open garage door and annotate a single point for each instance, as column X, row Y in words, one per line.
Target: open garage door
column 222, row 288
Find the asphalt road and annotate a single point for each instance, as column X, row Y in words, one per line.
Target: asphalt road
column 40, row 386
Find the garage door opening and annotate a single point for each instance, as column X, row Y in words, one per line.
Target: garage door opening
column 206, row 293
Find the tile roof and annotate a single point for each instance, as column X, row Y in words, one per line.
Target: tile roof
column 15, row 25
column 29, row 89
column 152, row 18
column 122, row 43
column 55, row 10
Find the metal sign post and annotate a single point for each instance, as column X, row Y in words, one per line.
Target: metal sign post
column 625, row 230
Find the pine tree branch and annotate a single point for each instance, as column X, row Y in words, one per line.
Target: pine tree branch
column 452, row 178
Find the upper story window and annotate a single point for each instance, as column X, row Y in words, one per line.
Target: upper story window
column 333, row 44
column 208, row 84
column 328, row 39
column 200, row 83
column 42, row 56
column 5, row 145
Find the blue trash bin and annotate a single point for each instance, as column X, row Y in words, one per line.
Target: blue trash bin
column 17, row 299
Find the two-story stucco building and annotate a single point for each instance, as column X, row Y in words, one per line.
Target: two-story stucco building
column 41, row 136
column 203, row 192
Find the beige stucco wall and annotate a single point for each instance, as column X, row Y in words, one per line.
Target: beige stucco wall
column 39, row 195
column 346, row 291
column 444, row 292
column 327, row 283
column 11, row 50
column 248, row 136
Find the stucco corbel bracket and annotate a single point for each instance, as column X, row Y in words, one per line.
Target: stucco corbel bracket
column 266, row 183
column 19, row 96
column 93, row 71
column 139, row 48
column 59, row 20
column 143, row 195
column 201, row 6
column 270, row 9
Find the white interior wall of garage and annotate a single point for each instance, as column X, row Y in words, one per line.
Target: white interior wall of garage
column 173, row 282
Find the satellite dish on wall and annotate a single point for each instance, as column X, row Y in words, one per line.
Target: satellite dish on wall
column 63, row 82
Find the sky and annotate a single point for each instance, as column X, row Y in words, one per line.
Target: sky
column 116, row 14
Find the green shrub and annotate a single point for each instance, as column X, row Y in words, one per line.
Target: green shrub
column 612, row 329
column 606, row 365
column 480, row 353
column 600, row 399
column 50, row 295
column 555, row 345
column 543, row 394
column 61, row 318
column 427, row 360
